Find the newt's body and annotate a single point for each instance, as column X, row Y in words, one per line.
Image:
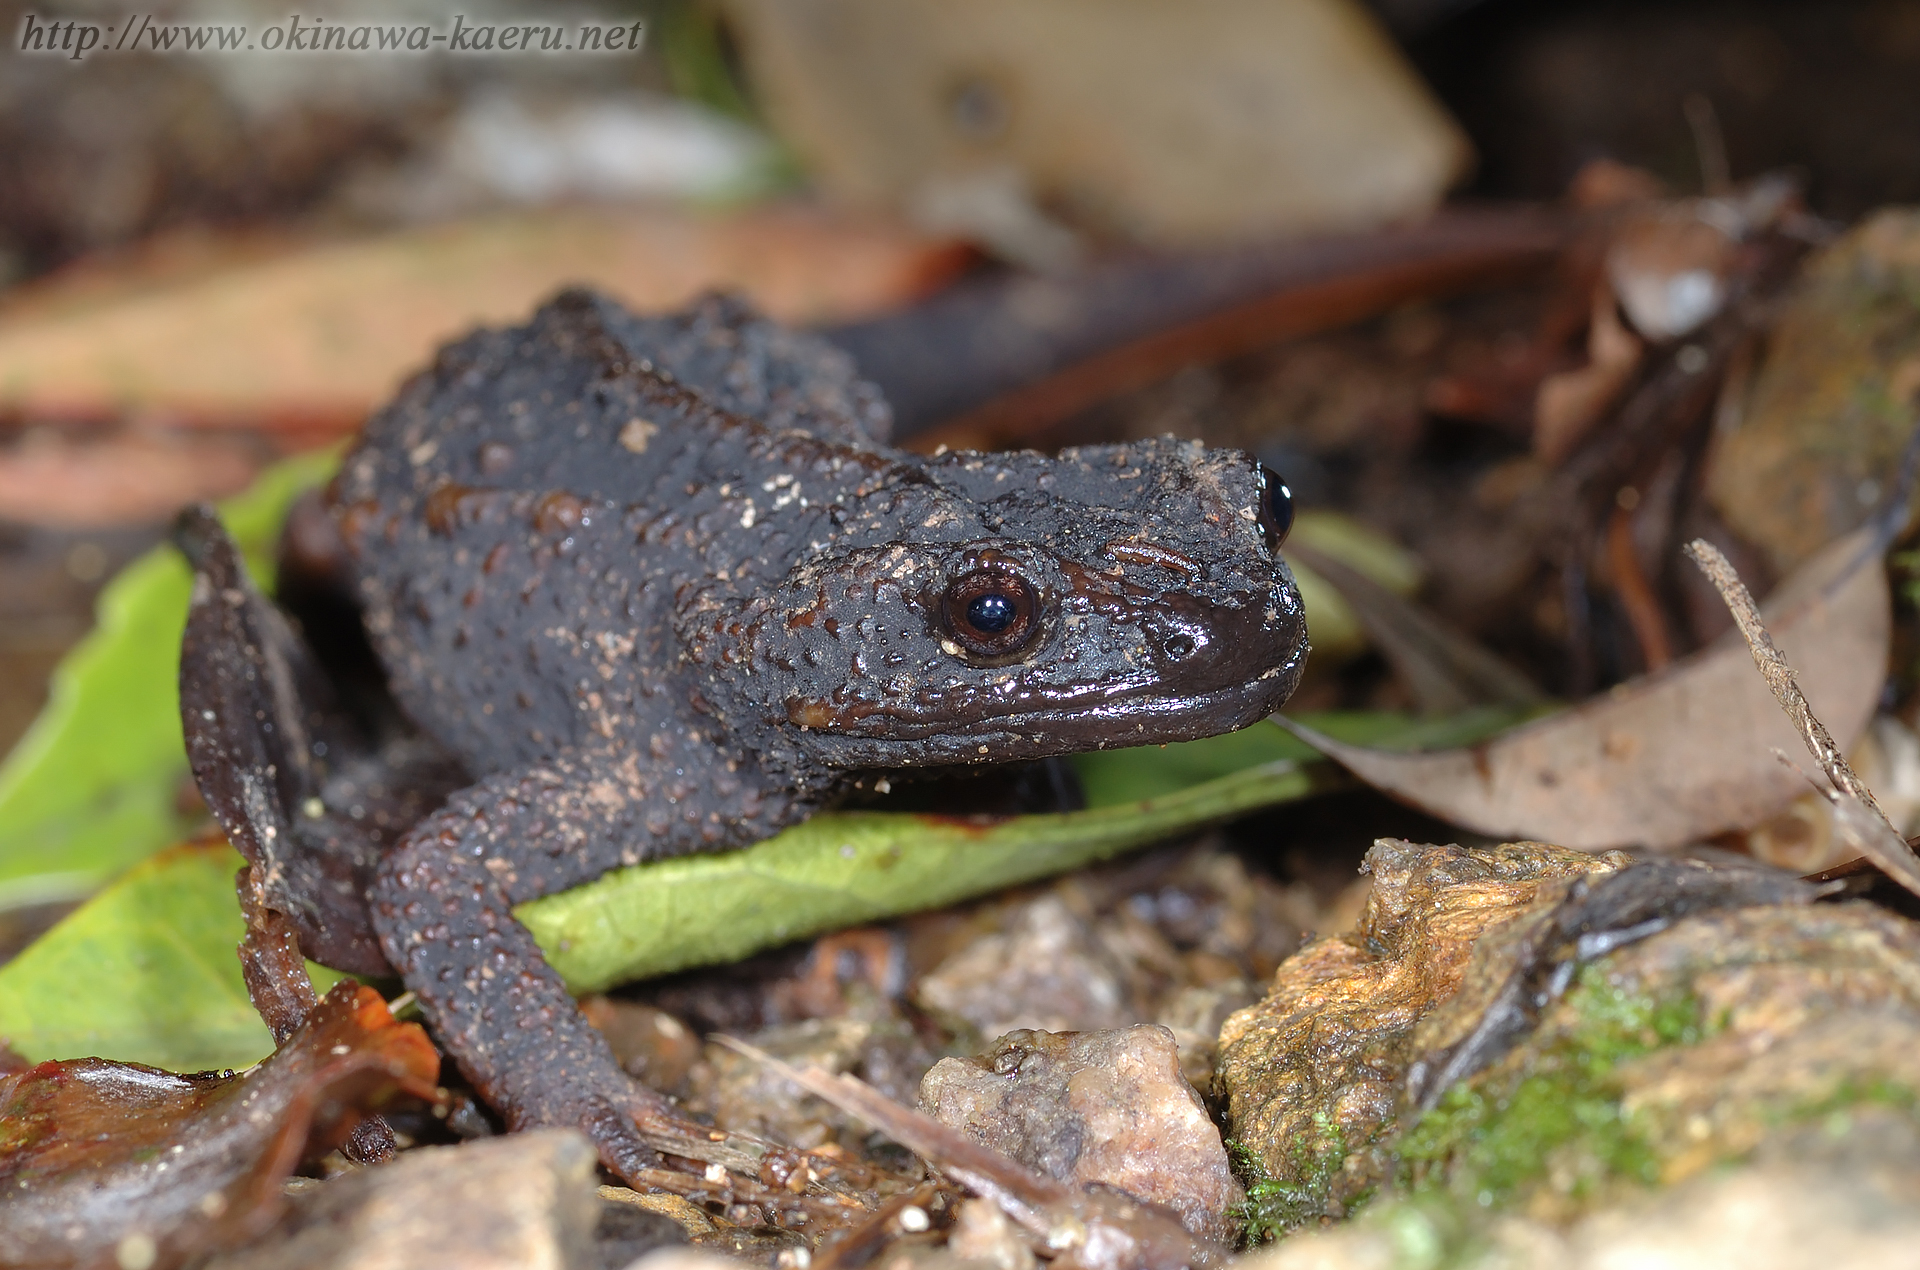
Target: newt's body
column 657, row 613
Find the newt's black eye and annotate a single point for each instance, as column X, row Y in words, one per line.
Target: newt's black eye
column 991, row 612
column 1276, row 507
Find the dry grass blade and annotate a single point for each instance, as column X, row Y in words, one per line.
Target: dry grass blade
column 1857, row 816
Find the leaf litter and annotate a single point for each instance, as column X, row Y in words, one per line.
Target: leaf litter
column 1693, row 742
column 1447, row 672
column 111, row 1164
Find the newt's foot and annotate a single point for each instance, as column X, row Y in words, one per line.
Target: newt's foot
column 647, row 1141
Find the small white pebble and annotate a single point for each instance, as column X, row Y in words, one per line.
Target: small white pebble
column 136, row 1252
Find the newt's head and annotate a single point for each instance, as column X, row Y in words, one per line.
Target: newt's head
column 1015, row 606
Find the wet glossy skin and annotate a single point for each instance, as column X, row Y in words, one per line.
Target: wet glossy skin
column 659, row 627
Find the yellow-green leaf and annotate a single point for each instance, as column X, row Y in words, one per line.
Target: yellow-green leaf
column 144, row 972
column 92, row 787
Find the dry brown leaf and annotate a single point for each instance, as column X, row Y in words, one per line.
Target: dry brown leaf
column 326, row 331
column 1673, row 757
column 105, row 1164
column 134, row 478
column 1570, row 403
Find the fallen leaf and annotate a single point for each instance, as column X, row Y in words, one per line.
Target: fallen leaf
column 92, row 786
column 135, row 478
column 146, row 970
column 1669, row 265
column 1857, row 814
column 1668, row 758
column 1570, row 403
column 327, row 331
column 105, row 1164
column 1814, row 443
column 847, row 868
column 143, row 972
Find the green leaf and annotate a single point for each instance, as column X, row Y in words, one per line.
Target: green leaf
column 91, row 787
column 845, row 868
column 144, row 972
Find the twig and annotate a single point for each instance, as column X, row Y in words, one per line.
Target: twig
column 1778, row 674
column 1068, row 1220
column 1857, row 816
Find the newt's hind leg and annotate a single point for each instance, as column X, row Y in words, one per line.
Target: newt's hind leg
column 443, row 907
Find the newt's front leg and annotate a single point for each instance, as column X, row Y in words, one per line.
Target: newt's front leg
column 443, row 907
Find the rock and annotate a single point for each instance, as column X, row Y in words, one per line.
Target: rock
column 1310, row 1074
column 1813, row 449
column 626, row 1232
column 1778, row 1216
column 1047, row 972
column 1669, row 1100
column 1729, row 1034
column 684, row 1259
column 655, row 1048
column 1098, row 1107
column 1194, row 1016
column 524, row 1201
column 982, row 1233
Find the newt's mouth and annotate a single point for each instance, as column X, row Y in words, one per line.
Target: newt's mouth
column 900, row 734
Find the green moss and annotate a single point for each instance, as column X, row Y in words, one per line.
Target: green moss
column 1837, row 1107
column 1560, row 1119
column 1275, row 1206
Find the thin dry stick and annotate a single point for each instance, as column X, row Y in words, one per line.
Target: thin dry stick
column 1778, row 674
column 1857, row 815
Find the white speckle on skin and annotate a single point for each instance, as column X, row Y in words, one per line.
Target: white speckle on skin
column 636, row 433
